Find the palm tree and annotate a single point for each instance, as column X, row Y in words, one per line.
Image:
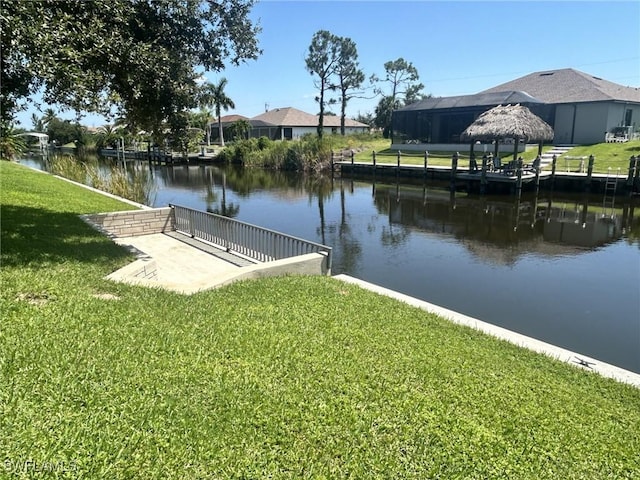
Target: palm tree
column 38, row 124
column 213, row 95
column 49, row 115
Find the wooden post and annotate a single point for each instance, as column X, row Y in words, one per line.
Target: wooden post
column 472, row 156
column 632, row 173
column 426, row 161
column 398, row 155
column 374, row 159
column 589, row 172
column 454, row 168
column 352, row 156
column 519, row 176
column 636, row 180
column 483, row 178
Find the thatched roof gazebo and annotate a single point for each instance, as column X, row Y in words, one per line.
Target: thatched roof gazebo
column 508, row 121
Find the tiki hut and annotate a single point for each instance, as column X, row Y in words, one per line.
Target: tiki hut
column 508, row 121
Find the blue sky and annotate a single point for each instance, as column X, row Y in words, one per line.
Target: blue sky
column 458, row 47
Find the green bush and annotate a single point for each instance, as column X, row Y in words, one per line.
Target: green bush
column 308, row 153
column 264, row 143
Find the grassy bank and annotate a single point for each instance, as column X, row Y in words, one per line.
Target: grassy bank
column 279, row 378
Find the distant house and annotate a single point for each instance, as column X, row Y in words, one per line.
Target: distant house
column 581, row 109
column 226, row 121
column 289, row 124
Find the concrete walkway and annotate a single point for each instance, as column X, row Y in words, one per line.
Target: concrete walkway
column 166, row 262
column 176, row 262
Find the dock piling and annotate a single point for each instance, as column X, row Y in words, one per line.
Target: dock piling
column 454, row 168
column 633, row 167
column 589, row 173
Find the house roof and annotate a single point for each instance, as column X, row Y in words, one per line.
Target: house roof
column 292, row 117
column 477, row 100
column 227, row 120
column 568, row 86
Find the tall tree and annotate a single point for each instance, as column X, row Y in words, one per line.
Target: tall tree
column 38, row 124
column 213, row 95
column 321, row 61
column 139, row 56
column 350, row 76
column 403, row 79
column 49, row 114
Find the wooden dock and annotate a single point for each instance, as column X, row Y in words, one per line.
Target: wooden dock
column 499, row 182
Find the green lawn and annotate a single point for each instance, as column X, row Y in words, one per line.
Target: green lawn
column 296, row 377
column 607, row 155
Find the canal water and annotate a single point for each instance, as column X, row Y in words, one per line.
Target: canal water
column 561, row 268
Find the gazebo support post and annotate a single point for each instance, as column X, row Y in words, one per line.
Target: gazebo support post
column 515, row 149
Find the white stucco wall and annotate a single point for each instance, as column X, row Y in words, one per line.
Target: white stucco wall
column 592, row 120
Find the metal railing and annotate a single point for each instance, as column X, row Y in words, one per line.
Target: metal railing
column 255, row 242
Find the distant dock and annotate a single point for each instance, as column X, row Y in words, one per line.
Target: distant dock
column 500, row 182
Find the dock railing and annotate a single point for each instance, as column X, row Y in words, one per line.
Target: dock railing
column 249, row 240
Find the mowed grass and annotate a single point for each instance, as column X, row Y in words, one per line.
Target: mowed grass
column 296, row 377
column 609, row 157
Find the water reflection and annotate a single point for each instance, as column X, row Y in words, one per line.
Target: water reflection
column 502, row 228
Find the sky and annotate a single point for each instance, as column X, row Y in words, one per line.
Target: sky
column 458, row 47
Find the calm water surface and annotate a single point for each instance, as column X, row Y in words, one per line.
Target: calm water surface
column 561, row 268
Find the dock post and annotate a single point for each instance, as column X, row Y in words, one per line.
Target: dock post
column 636, row 179
column 398, row 155
column 633, row 165
column 426, row 161
column 483, row 178
column 589, row 173
column 454, row 168
column 374, row 159
column 352, row 157
column 519, row 176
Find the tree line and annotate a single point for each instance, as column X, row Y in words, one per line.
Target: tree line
column 333, row 62
column 142, row 62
